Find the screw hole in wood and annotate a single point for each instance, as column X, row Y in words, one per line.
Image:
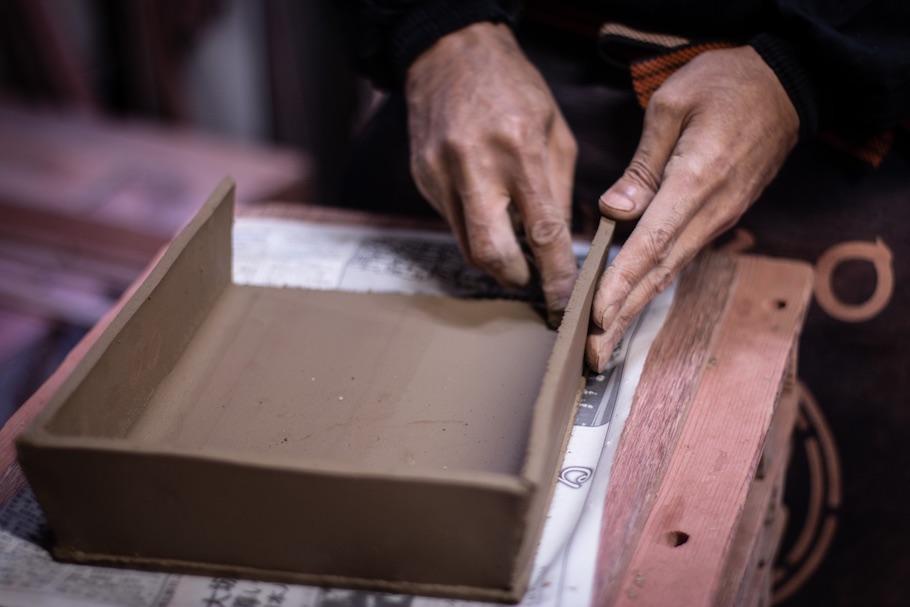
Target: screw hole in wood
column 677, row 538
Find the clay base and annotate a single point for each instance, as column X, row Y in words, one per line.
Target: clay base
column 375, row 381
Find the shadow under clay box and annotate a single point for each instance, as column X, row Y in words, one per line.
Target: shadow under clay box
column 392, row 442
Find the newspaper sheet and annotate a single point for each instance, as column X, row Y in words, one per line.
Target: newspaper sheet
column 279, row 252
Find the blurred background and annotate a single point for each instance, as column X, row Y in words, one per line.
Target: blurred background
column 118, row 118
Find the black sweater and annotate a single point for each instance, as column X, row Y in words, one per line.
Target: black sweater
column 844, row 63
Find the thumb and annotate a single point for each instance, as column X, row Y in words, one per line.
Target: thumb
column 632, row 193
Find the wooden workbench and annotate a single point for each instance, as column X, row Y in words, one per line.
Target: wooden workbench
column 693, row 509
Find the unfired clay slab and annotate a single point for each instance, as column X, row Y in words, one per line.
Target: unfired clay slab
column 376, row 381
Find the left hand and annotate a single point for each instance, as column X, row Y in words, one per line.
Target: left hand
column 715, row 134
column 487, row 137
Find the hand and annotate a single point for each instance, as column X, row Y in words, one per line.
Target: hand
column 715, row 134
column 485, row 135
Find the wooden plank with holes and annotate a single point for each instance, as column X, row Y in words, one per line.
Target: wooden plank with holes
column 659, row 410
column 685, row 538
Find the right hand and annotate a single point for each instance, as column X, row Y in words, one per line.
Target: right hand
column 715, row 134
column 486, row 133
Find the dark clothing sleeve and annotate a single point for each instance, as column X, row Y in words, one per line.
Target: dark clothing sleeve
column 386, row 36
column 845, row 64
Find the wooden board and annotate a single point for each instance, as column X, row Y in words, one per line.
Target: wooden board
column 670, row 525
column 659, row 409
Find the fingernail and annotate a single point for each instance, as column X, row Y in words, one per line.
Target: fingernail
column 615, row 353
column 600, row 362
column 605, row 353
column 608, row 315
column 599, row 349
column 592, row 351
column 619, row 198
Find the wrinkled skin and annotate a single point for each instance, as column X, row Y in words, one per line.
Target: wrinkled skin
column 715, row 134
column 486, row 133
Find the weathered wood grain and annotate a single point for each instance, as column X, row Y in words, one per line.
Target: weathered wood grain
column 683, row 550
column 659, row 408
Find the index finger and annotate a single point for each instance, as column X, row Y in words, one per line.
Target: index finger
column 550, row 241
column 492, row 244
column 690, row 181
column 644, row 252
column 546, row 219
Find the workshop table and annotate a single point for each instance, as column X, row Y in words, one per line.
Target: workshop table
column 693, row 513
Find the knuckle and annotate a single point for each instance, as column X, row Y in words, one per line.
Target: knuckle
column 708, row 163
column 705, row 171
column 693, row 167
column 665, row 103
column 519, row 131
column 458, row 143
column 620, row 278
column 658, row 241
column 513, row 129
column 663, row 276
column 643, row 173
column 547, row 233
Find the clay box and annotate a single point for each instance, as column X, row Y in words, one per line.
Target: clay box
column 404, row 443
